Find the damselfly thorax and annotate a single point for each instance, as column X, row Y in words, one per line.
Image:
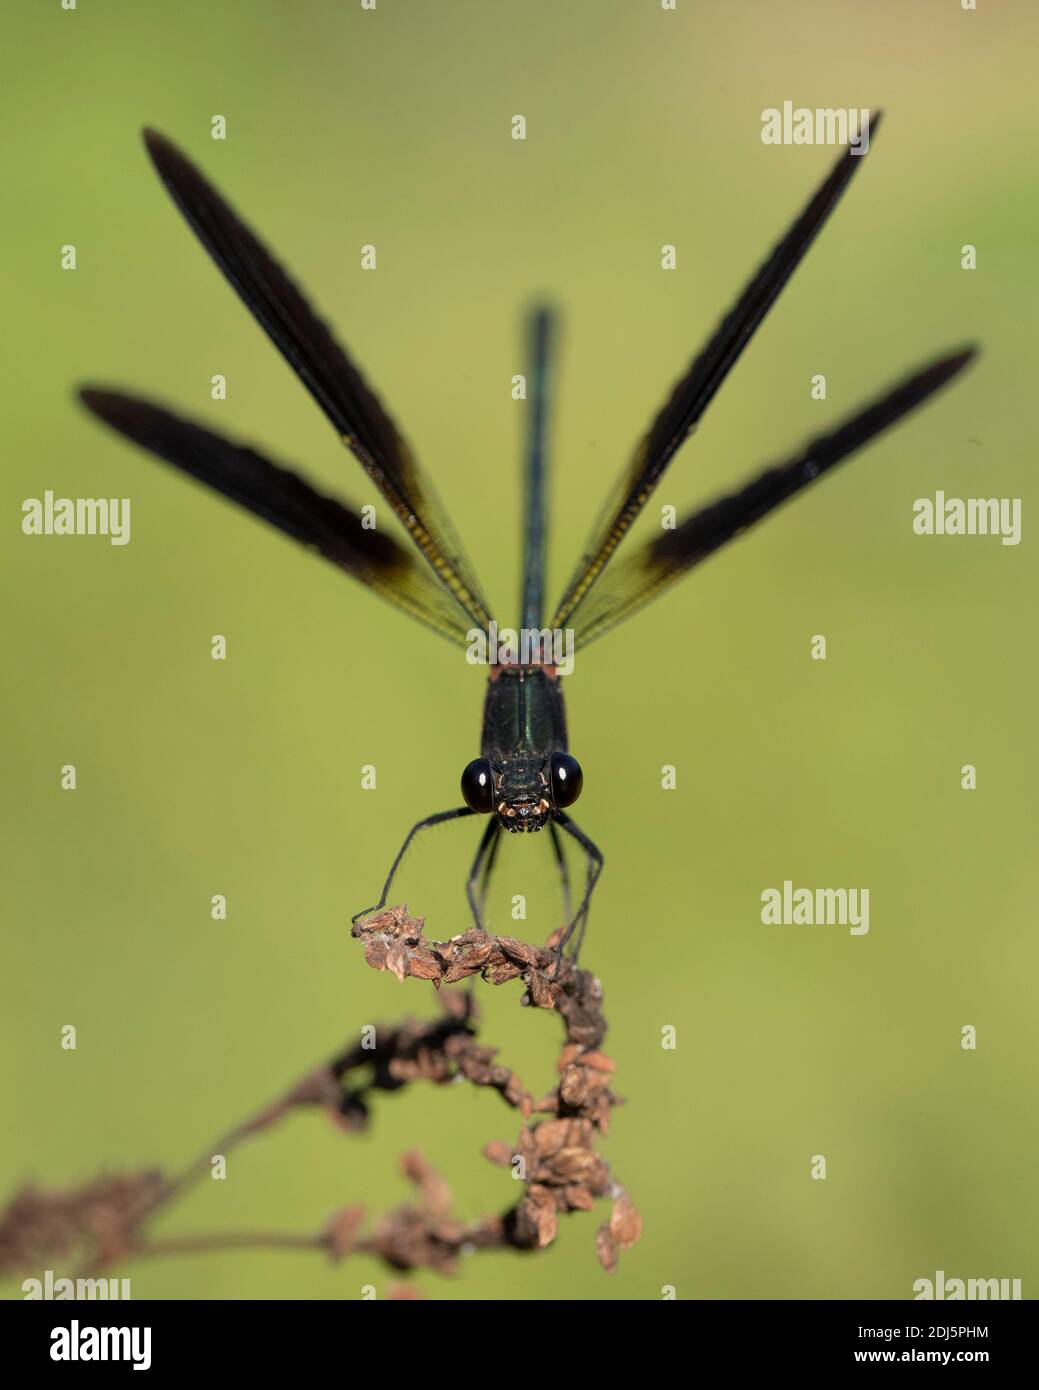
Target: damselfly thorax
column 525, row 772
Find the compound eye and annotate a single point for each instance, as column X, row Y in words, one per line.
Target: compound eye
column 566, row 777
column 478, row 786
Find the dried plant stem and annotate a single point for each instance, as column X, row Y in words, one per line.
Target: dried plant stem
column 229, row 1240
column 108, row 1220
column 264, row 1119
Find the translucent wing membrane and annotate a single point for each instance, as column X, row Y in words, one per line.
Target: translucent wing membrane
column 321, row 364
column 691, row 397
column 285, row 500
column 634, row 581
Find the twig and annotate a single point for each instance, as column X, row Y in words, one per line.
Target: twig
column 108, row 1220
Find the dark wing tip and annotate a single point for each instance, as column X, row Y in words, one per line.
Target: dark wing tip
column 100, row 402
column 947, row 367
column 155, row 142
column 127, row 414
column 163, row 153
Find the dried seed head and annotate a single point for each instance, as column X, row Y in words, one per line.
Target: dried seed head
column 625, row 1222
column 606, row 1249
column 342, row 1231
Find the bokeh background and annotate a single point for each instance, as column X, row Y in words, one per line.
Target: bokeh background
column 243, row 777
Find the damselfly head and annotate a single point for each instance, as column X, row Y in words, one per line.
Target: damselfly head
column 524, row 793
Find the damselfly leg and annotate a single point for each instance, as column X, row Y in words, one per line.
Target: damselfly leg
column 438, row 819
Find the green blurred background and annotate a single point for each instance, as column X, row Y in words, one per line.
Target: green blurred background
column 243, row 777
